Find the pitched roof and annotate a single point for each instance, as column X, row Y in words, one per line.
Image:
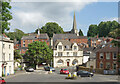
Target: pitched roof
column 65, row 44
column 109, row 48
column 67, row 36
column 64, row 36
column 30, row 37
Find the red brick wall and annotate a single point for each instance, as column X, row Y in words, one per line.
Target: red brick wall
column 30, row 41
column 104, row 60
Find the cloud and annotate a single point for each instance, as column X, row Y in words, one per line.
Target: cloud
column 27, row 16
column 110, row 19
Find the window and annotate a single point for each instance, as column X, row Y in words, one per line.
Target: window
column 9, row 57
column 107, row 55
column 74, row 53
column 9, row 46
column 9, row 69
column 23, row 41
column 3, row 57
column 60, row 47
column 108, row 65
column 101, row 65
column 67, row 47
column 75, row 47
column 75, row 61
column 23, row 45
column 59, row 53
column 67, row 53
column 114, row 66
column 101, row 55
column 3, row 45
column 114, row 55
column 60, row 61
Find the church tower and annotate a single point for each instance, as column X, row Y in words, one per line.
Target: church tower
column 74, row 29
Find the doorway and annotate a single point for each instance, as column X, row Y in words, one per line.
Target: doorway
column 67, row 63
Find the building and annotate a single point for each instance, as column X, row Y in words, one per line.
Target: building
column 25, row 40
column 66, row 53
column 6, row 56
column 107, row 57
column 72, row 36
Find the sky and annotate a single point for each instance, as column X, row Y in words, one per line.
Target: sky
column 29, row 15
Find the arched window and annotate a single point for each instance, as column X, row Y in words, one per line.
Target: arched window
column 60, row 61
column 75, row 61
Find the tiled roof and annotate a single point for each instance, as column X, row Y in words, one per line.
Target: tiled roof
column 65, row 44
column 67, row 36
column 109, row 48
column 30, row 37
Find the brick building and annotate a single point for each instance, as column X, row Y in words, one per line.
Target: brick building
column 25, row 40
column 107, row 57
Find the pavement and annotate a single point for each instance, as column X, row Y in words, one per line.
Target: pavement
column 44, row 76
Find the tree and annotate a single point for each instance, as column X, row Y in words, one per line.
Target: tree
column 50, row 28
column 17, row 54
column 17, row 34
column 38, row 52
column 5, row 15
column 93, row 30
column 115, row 33
column 103, row 28
column 80, row 33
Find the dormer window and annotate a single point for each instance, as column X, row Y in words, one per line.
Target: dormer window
column 75, row 47
column 60, row 47
column 67, row 47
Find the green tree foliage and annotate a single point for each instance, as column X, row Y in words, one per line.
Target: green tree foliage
column 17, row 54
column 103, row 29
column 38, row 52
column 115, row 33
column 50, row 28
column 93, row 30
column 80, row 33
column 17, row 34
column 5, row 15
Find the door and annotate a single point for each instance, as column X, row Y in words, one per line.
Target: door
column 4, row 70
column 67, row 63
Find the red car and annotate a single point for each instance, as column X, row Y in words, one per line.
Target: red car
column 64, row 71
column 2, row 81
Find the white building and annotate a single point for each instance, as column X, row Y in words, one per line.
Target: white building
column 66, row 53
column 6, row 56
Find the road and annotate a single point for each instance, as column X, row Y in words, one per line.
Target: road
column 43, row 76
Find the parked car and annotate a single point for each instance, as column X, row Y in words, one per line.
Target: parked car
column 47, row 68
column 29, row 69
column 84, row 73
column 64, row 71
column 2, row 81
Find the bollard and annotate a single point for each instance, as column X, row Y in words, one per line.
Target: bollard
column 74, row 74
column 69, row 75
column 50, row 70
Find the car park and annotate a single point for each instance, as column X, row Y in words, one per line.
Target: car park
column 84, row 73
column 2, row 81
column 64, row 71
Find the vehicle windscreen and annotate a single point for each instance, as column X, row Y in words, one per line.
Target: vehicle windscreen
column 65, row 69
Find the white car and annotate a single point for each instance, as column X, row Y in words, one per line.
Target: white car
column 30, row 70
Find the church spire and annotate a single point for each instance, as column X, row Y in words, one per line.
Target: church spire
column 74, row 22
column 74, row 29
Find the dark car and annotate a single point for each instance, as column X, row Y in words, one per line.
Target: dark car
column 2, row 81
column 47, row 68
column 84, row 73
column 29, row 69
